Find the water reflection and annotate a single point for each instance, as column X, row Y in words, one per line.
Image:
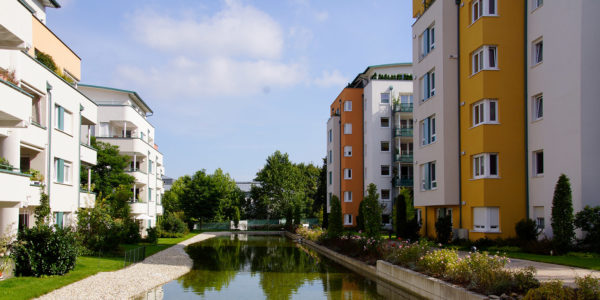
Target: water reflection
column 267, row 267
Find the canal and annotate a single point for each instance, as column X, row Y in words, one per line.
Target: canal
column 241, row 266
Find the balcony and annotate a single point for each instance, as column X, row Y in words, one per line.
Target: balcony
column 404, row 158
column 138, row 208
column 15, row 107
column 159, row 209
column 403, row 182
column 141, row 177
column 15, row 30
column 33, row 195
column 88, row 154
column 15, row 185
column 403, row 107
column 87, row 199
column 403, row 132
column 128, row 144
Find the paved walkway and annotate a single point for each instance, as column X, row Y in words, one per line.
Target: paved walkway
column 155, row 270
column 547, row 271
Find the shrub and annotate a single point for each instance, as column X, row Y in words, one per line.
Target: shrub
column 406, row 254
column 482, row 272
column 552, row 290
column 43, row 250
column 443, row 229
column 588, row 220
column 130, row 232
column 588, row 288
column 483, row 243
column 152, row 236
column 372, row 212
column 310, row 234
column 96, row 230
column 527, row 230
column 544, row 246
column 400, row 216
column 335, row 218
column 562, row 215
column 236, row 217
column 437, row 262
column 46, row 60
column 171, row 223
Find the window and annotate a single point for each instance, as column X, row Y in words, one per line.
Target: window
column 538, row 51
column 385, row 195
column 485, row 112
column 330, row 178
column 486, row 219
column 444, row 211
column 59, row 217
column 428, row 177
column 347, row 219
column 538, row 107
column 348, row 151
column 62, row 119
column 150, row 166
column 62, row 171
column 538, row 214
column 149, row 195
column 385, row 122
column 347, row 196
column 330, row 135
column 428, row 131
column 23, row 221
column 347, row 173
column 385, row 170
column 330, row 157
column 538, row 163
column 385, row 98
column 427, row 41
column 537, row 3
column 428, row 85
column 348, row 128
column 480, row 8
column 385, row 146
column 406, row 99
column 485, row 165
column 484, row 58
column 347, row 105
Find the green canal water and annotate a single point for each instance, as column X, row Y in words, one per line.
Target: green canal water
column 243, row 266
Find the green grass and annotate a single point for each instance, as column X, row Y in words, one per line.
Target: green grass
column 31, row 287
column 573, row 259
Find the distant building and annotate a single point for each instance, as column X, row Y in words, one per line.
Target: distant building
column 246, row 186
column 167, row 182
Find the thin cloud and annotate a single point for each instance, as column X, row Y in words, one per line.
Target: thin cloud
column 331, row 79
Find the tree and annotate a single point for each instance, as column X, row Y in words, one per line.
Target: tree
column 336, row 225
column 42, row 211
column 562, row 215
column 372, row 212
column 588, row 220
column 443, row 229
column 109, row 172
column 320, row 200
column 236, row 216
column 401, row 220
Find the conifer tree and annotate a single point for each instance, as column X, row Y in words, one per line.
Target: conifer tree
column 562, row 215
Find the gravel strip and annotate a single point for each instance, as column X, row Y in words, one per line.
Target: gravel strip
column 155, row 270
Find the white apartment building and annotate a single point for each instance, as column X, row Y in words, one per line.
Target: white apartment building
column 42, row 120
column 122, row 121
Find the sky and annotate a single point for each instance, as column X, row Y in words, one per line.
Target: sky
column 232, row 81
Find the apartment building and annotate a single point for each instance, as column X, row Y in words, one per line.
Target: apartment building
column 44, row 120
column 122, row 121
column 369, row 139
column 505, row 115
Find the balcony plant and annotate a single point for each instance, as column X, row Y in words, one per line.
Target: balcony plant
column 8, row 75
column 46, row 60
column 5, row 165
column 36, row 176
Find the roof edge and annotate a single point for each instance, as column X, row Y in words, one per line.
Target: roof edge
column 119, row 90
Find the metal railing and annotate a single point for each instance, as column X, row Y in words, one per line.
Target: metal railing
column 403, row 107
column 403, row 182
column 403, row 132
column 403, row 158
column 134, row 255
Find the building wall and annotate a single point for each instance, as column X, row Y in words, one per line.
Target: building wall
column 333, row 164
column 44, row 40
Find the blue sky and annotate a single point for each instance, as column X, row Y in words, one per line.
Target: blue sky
column 232, row 81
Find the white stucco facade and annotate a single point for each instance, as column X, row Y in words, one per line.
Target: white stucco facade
column 333, row 159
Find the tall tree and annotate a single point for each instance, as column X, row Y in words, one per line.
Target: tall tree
column 562, row 214
column 321, row 195
column 109, row 172
column 336, row 225
column 372, row 212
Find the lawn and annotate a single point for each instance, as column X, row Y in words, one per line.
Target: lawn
column 31, row 287
column 573, row 259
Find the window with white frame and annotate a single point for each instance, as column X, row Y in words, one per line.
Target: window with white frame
column 347, row 196
column 385, row 195
column 330, row 135
column 347, row 105
column 485, row 112
column 330, row 157
column 384, row 122
column 538, row 215
column 62, row 119
column 538, row 51
column 406, row 99
column 330, row 178
column 385, row 170
column 427, row 41
column 538, row 163
column 536, row 3
column 348, row 128
column 481, row 8
column 486, row 219
column 484, row 58
column 385, row 146
column 385, row 98
column 62, row 170
column 485, row 165
column 347, row 219
column 347, row 173
column 428, row 130
column 538, row 107
column 348, row 151
column 428, row 176
column 428, row 85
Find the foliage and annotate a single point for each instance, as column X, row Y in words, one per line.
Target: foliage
column 9, row 75
column 562, row 215
column 443, row 229
column 360, row 218
column 109, row 172
column 588, row 220
column 5, row 164
column 336, row 225
column 372, row 212
column 314, row 234
column 320, row 197
column 588, row 287
column 96, row 230
column 527, row 230
column 42, row 211
column 236, row 216
column 400, row 216
column 46, row 60
column 551, row 290
column 35, row 175
column 152, row 236
column 43, row 250
column 406, row 254
column 438, row 262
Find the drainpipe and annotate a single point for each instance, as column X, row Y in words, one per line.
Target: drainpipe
column 526, row 127
column 458, row 95
column 79, row 156
column 50, row 110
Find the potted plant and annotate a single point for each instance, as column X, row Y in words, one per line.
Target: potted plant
column 5, row 165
